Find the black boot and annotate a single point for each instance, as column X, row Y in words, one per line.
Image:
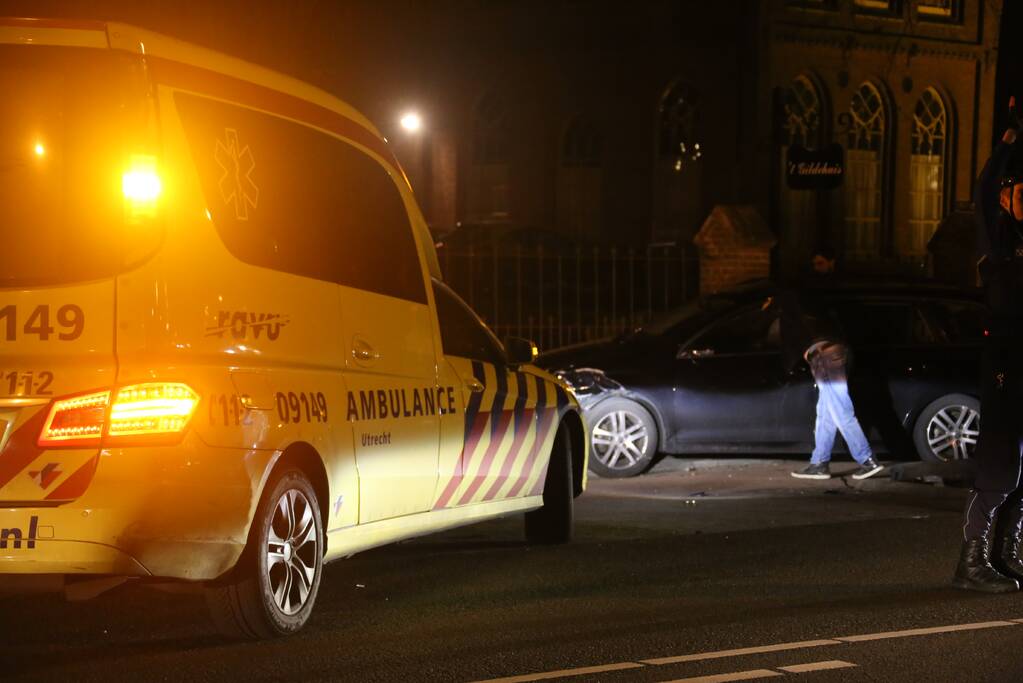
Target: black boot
column 1010, row 563
column 974, row 571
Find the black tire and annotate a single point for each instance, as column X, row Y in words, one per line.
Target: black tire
column 947, row 429
column 244, row 604
column 552, row 523
column 634, row 425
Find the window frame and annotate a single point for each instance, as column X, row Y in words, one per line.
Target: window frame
column 440, row 290
column 248, row 238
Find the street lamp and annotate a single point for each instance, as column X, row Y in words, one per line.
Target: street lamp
column 411, row 122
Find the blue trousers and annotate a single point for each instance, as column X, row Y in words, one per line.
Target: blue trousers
column 835, row 411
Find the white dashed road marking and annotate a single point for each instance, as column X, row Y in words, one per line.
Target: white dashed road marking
column 926, row 631
column 816, row 666
column 750, row 675
column 565, row 673
column 780, row 647
column 757, row 673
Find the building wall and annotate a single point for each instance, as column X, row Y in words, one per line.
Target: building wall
column 557, row 61
column 841, row 45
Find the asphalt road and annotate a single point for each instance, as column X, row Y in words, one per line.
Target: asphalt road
column 728, row 569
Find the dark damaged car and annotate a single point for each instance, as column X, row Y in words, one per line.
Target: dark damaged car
column 709, row 377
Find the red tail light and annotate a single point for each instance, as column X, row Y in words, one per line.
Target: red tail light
column 155, row 412
column 75, row 421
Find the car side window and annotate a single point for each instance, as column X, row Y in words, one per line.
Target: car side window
column 461, row 332
column 955, row 322
column 750, row 331
column 289, row 197
column 876, row 323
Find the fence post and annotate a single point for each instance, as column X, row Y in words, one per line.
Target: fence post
column 539, row 292
column 494, row 266
column 596, row 287
column 561, row 317
column 472, row 278
column 518, row 288
column 614, row 284
column 682, row 269
column 667, row 288
column 578, row 294
column 632, row 288
column 649, row 284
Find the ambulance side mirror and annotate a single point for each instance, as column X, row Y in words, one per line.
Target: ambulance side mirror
column 520, row 351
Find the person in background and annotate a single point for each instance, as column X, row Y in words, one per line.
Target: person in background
column 811, row 333
column 997, row 497
column 823, row 266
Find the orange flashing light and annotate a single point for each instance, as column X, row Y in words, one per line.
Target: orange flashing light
column 141, row 186
column 138, row 411
column 146, row 409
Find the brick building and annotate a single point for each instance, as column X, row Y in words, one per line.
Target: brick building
column 628, row 123
column 907, row 88
column 631, row 126
column 604, row 124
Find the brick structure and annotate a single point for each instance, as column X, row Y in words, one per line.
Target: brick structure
column 907, row 88
column 735, row 246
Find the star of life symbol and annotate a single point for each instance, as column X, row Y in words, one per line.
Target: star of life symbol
column 236, row 185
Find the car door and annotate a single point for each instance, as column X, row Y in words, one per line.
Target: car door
column 493, row 448
column 387, row 341
column 731, row 384
column 884, row 336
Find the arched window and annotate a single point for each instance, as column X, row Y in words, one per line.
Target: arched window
column 802, row 107
column 678, row 120
column 579, row 178
column 802, row 114
column 927, row 170
column 678, row 192
column 864, row 181
column 488, row 191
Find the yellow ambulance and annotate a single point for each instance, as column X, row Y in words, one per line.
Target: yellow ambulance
column 227, row 355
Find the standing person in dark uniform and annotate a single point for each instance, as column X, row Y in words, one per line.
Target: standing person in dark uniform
column 986, row 563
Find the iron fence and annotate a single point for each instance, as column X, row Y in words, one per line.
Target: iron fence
column 568, row 296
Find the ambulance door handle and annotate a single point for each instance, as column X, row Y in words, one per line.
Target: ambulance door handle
column 474, row 385
column 361, row 350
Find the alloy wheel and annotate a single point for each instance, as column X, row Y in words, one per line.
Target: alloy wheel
column 292, row 552
column 620, row 439
column 952, row 432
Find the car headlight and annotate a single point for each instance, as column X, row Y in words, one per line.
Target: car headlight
column 587, row 381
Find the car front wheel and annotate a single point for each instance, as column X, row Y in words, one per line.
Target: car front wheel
column 947, row 429
column 552, row 523
column 623, row 438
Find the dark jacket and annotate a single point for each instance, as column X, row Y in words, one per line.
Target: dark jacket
column 1000, row 239
column 806, row 318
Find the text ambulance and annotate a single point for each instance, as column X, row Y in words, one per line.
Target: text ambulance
column 226, row 352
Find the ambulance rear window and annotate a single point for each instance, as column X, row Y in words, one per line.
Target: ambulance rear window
column 286, row 196
column 70, row 118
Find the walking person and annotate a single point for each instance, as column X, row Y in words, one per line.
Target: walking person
column 988, row 561
column 809, row 329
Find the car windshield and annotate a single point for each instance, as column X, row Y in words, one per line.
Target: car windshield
column 71, row 122
column 688, row 318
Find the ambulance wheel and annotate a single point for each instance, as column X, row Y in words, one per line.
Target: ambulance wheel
column 271, row 591
column 553, row 522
